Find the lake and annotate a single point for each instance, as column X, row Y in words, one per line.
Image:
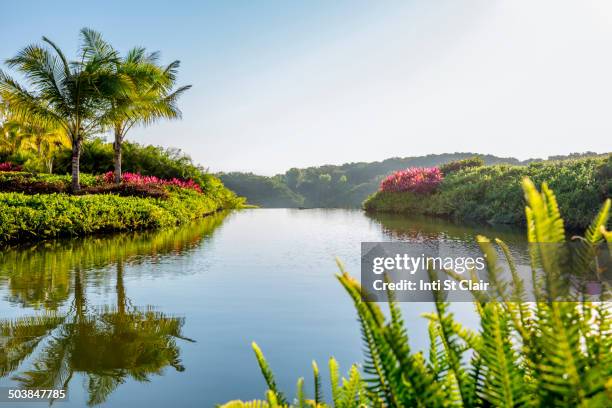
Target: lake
column 166, row 318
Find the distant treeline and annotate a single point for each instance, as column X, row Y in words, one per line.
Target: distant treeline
column 343, row 186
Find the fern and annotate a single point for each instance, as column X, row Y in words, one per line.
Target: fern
column 317, row 383
column 334, row 378
column 503, row 380
column 268, row 375
column 301, row 398
column 556, row 352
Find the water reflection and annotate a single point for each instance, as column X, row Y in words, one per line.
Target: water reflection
column 422, row 228
column 39, row 276
column 107, row 344
column 91, row 319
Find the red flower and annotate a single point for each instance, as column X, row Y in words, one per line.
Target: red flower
column 135, row 178
column 8, row 166
column 415, row 179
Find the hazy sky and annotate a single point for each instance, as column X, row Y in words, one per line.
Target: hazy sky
column 280, row 84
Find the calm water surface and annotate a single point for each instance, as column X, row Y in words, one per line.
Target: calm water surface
column 166, row 318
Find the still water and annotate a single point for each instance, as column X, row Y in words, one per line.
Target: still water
column 166, row 318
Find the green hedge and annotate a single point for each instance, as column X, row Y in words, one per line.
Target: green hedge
column 32, row 217
column 493, row 193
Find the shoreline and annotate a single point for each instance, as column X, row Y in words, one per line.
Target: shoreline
column 35, row 218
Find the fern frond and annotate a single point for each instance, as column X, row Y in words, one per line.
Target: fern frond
column 352, row 393
column 300, row 397
column 272, row 398
column 595, row 232
column 334, row 378
column 266, row 371
column 452, row 345
column 376, row 353
column 249, row 404
column 606, row 234
column 503, row 379
column 547, row 224
column 317, row 383
column 493, row 269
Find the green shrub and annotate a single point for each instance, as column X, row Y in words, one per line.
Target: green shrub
column 166, row 163
column 493, row 193
column 41, row 183
column 127, row 190
column 32, row 217
column 30, row 183
column 544, row 354
column 458, row 165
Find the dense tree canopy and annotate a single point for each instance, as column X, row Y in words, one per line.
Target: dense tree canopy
column 346, row 185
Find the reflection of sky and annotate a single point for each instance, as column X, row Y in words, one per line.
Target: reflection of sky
column 314, row 82
column 264, row 275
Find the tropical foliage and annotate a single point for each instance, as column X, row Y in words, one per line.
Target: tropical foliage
column 493, row 194
column 70, row 95
column 26, row 142
column 135, row 178
column 457, row 165
column 556, row 352
column 415, row 179
column 41, row 183
column 346, row 185
column 65, row 102
column 152, row 97
column 263, row 191
column 41, row 216
column 164, row 163
column 6, row 166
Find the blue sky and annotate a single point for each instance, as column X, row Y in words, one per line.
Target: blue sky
column 280, row 84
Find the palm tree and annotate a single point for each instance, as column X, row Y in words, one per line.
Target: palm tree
column 44, row 141
column 71, row 95
column 153, row 97
column 11, row 139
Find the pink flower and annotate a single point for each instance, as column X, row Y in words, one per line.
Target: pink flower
column 8, row 166
column 135, row 178
column 414, row 179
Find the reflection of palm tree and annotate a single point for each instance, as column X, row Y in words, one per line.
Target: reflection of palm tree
column 108, row 346
column 40, row 276
column 39, row 287
column 19, row 337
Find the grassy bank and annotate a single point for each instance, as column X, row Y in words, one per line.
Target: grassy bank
column 35, row 216
column 493, row 193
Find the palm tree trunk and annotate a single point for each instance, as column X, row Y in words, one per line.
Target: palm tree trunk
column 117, row 158
column 76, row 156
column 120, row 287
column 79, row 294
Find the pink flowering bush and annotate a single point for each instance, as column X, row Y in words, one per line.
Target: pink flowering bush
column 135, row 178
column 414, row 179
column 8, row 166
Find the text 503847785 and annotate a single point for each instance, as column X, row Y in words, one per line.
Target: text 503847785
column 15, row 394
